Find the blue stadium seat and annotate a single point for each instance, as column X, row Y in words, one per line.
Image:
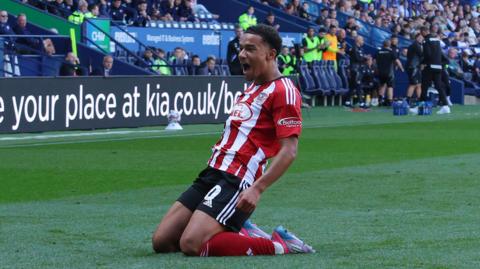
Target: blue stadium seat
column 225, row 71
column 307, row 84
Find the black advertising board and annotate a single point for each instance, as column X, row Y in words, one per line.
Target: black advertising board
column 85, row 103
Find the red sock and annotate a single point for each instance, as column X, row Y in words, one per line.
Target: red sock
column 233, row 244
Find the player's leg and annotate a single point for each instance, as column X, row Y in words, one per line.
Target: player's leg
column 209, row 232
column 418, row 90
column 199, row 230
column 381, row 91
column 167, row 235
column 437, row 80
column 215, row 213
column 205, row 236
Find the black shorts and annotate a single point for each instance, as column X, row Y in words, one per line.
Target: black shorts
column 414, row 76
column 386, row 79
column 216, row 193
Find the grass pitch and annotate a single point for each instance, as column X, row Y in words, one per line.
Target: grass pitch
column 368, row 190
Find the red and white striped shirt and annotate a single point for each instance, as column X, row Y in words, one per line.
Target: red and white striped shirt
column 261, row 116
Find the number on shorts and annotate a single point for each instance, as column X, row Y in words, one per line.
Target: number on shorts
column 213, row 193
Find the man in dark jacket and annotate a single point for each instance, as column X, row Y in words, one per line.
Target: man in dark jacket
column 357, row 61
column 414, row 58
column 233, row 51
column 71, row 66
column 106, row 69
column 386, row 61
column 432, row 71
column 25, row 44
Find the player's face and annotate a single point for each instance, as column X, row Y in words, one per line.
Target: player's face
column 255, row 56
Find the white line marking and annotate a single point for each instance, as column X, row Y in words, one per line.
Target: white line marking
column 83, row 134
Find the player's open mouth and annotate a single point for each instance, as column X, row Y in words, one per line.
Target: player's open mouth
column 245, row 67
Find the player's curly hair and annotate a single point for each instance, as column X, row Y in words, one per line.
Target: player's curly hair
column 268, row 34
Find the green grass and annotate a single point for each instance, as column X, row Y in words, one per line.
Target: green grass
column 368, row 190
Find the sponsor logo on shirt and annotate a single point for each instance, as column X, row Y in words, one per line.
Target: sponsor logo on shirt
column 241, row 112
column 290, row 122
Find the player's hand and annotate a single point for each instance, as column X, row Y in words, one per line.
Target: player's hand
column 248, row 199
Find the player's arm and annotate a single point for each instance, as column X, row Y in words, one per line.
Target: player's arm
column 248, row 199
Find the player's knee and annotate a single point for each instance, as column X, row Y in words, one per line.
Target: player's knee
column 161, row 245
column 189, row 246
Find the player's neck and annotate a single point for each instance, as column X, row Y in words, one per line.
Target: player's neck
column 271, row 74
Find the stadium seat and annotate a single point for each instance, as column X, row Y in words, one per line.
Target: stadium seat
column 307, row 84
column 320, row 79
column 225, row 71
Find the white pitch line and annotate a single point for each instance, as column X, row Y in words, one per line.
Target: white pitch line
column 84, row 134
column 105, row 140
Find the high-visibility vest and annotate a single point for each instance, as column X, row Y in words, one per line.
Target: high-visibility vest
column 319, row 51
column 246, row 21
column 89, row 15
column 311, row 44
column 76, row 17
column 161, row 67
column 290, row 61
column 366, row 1
column 331, row 53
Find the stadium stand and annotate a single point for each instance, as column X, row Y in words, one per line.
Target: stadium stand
column 376, row 21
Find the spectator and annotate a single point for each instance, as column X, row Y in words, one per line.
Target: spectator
column 270, row 21
column 71, row 6
column 476, row 70
column 5, row 29
column 186, row 12
column 167, row 10
column 117, row 11
column 160, row 64
column 454, row 68
column 290, row 9
column 467, row 62
column 26, row 44
column 78, row 16
column 351, row 25
column 209, row 67
column 148, row 60
column 106, row 69
column 177, row 6
column 232, row 52
column 194, row 67
column 280, row 4
column 142, row 18
column 103, row 9
column 48, row 47
column 303, row 11
column 71, row 66
column 295, row 7
column 323, row 16
column 93, row 11
column 59, row 8
column 248, row 18
column 178, row 56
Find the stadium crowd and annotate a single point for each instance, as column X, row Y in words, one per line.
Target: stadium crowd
column 458, row 29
